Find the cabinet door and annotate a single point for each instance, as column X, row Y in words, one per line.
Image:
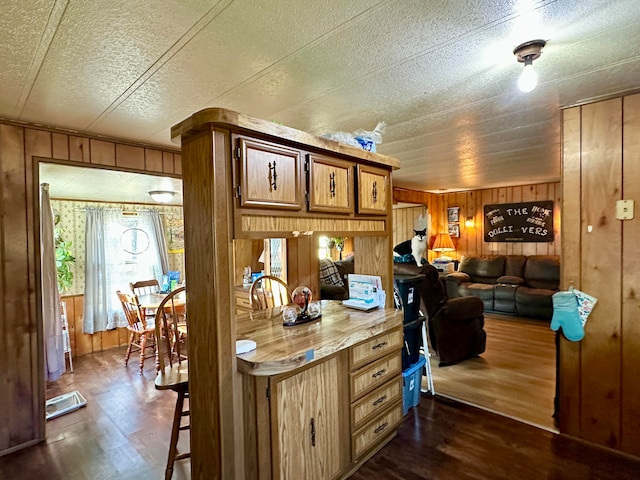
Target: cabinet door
column 308, row 426
column 373, row 190
column 330, row 184
column 269, row 175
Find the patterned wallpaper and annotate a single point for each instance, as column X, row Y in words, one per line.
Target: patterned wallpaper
column 72, row 222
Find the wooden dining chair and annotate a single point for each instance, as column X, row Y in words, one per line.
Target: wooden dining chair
column 145, row 287
column 174, row 375
column 268, row 291
column 142, row 329
column 171, row 318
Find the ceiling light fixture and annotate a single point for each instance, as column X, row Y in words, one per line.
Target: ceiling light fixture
column 162, row 196
column 527, row 53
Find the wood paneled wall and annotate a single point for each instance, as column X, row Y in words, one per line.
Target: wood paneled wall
column 599, row 389
column 403, row 222
column 84, row 343
column 21, row 362
column 471, row 204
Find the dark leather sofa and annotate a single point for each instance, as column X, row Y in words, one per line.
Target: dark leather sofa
column 456, row 327
column 516, row 284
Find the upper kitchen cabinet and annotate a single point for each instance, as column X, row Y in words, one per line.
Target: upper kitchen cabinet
column 373, row 190
column 269, row 174
column 330, row 184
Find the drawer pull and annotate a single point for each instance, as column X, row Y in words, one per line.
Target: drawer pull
column 380, row 400
column 381, row 427
column 379, row 372
column 380, row 345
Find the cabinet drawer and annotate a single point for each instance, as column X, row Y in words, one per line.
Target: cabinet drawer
column 370, row 406
column 372, row 376
column 377, row 347
column 377, row 430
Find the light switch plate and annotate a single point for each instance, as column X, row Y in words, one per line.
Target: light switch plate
column 624, row 209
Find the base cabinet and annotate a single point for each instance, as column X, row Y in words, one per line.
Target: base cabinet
column 306, row 421
column 322, row 420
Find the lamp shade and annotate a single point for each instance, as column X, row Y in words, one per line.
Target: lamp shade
column 162, row 196
column 443, row 243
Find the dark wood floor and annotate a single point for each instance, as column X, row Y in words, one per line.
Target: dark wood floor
column 445, row 440
column 123, row 433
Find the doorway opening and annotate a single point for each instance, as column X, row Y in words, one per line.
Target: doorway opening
column 73, row 190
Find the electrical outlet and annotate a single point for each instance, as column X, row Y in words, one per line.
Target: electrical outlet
column 624, row 209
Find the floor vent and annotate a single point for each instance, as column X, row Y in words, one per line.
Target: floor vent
column 65, row 403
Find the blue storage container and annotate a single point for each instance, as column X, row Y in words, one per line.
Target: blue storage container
column 411, row 382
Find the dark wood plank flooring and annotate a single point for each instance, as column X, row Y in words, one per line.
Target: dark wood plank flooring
column 445, row 440
column 123, row 433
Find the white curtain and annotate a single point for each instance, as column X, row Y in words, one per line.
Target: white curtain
column 52, row 322
column 157, row 234
column 96, row 310
column 120, row 249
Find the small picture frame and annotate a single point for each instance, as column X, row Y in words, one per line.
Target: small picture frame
column 454, row 230
column 453, row 214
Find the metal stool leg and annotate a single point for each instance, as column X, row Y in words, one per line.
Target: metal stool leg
column 427, row 356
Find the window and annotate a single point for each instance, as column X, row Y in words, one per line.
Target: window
column 131, row 254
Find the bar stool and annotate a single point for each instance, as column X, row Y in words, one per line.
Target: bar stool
column 175, row 375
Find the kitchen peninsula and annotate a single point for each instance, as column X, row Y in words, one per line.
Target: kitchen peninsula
column 321, row 397
column 247, row 179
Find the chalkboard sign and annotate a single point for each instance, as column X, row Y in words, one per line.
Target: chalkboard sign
column 519, row 222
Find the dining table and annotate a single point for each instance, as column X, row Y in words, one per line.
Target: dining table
column 151, row 301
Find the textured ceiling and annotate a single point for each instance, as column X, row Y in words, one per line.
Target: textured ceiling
column 85, row 183
column 441, row 73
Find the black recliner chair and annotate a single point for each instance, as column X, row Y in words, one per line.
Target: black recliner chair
column 455, row 326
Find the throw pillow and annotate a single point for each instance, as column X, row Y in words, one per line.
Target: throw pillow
column 329, row 274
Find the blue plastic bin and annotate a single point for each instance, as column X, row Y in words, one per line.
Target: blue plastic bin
column 411, row 382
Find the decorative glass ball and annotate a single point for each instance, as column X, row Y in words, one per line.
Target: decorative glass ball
column 301, row 296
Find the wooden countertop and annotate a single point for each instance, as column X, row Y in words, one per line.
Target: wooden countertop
column 281, row 349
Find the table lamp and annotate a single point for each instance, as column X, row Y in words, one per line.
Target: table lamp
column 443, row 243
